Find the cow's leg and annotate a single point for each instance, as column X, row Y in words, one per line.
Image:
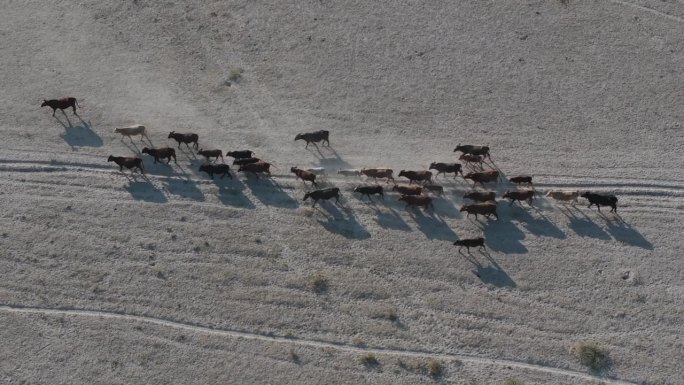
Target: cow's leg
column 512, row 201
column 307, row 146
column 53, row 111
column 121, row 167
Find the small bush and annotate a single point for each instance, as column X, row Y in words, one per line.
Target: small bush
column 513, row 381
column 369, row 360
column 294, row 357
column 235, row 75
column 359, row 342
column 389, row 313
column 318, row 283
column 435, row 368
column 592, row 356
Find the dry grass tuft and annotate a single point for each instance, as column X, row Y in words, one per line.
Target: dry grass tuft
column 369, row 360
column 592, row 356
column 318, row 283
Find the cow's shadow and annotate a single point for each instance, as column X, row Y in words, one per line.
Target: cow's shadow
column 489, row 272
column 231, row 192
column 581, row 224
column 142, row 189
column 537, row 224
column 269, row 192
column 80, row 135
column 341, row 222
column 390, row 219
column 625, row 233
column 431, row 225
column 328, row 158
column 502, row 235
column 445, row 207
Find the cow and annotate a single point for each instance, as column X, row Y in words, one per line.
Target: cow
column 316, row 170
column 482, row 177
column 370, row 190
column 325, row 194
column 521, row 179
column 473, row 150
column 420, row 176
column 211, row 169
column 376, row 173
column 417, row 200
column 349, row 172
column 601, row 200
column 241, row 154
column 243, row 161
column 525, row 195
column 207, row 154
column 61, row 104
column 185, row 138
column 470, row 159
column 304, row 175
column 564, row 196
column 256, row 168
column 314, row 137
column 164, row 152
column 480, row 196
column 446, row 168
column 486, row 209
column 136, row 129
column 130, row 162
column 435, row 189
column 408, row 190
column 468, row 243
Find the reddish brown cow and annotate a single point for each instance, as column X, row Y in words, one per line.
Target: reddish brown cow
column 526, row 195
column 486, row 209
column 417, row 200
column 482, row 177
column 408, row 190
column 304, row 175
column 62, row 104
column 256, row 168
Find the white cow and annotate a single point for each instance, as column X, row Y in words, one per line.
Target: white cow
column 564, row 196
column 136, row 129
column 350, row 172
column 316, row 170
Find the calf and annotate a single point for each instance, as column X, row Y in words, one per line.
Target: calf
column 486, row 209
column 564, row 196
column 314, row 137
column 61, row 104
column 256, row 168
column 164, row 152
column 417, row 200
column 446, row 168
column 435, row 189
column 218, row 169
column 243, row 161
column 242, row 154
column 468, row 243
column 129, row 162
column 370, row 190
column 408, row 190
column 601, row 200
column 325, row 194
column 521, row 179
column 185, row 138
column 482, row 177
column 525, row 195
column 419, row 176
column 349, row 172
column 473, row 150
column 304, row 175
column 376, row 173
column 480, row 196
column 470, row 158
column 207, row 154
column 136, row 129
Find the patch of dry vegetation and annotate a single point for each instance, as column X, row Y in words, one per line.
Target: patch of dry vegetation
column 592, row 356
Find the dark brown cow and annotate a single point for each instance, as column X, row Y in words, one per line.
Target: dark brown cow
column 435, row 189
column 468, row 243
column 304, row 175
column 480, row 196
column 325, row 194
column 370, row 190
column 417, row 200
column 408, row 190
column 521, row 179
column 419, row 176
column 164, row 152
column 241, row 154
column 211, row 169
column 256, row 168
column 130, row 162
column 185, row 138
column 314, row 137
column 62, row 104
column 446, row 168
column 482, row 177
column 473, row 150
column 526, row 195
column 243, row 161
column 470, row 159
column 208, row 154
column 486, row 209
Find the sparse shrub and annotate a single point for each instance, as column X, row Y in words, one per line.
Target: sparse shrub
column 235, row 75
column 592, row 356
column 358, row 341
column 435, row 368
column 369, row 360
column 513, row 381
column 318, row 283
column 389, row 313
column 294, row 357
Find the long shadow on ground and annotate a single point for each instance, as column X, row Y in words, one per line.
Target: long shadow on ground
column 341, row 222
column 581, row 224
column 269, row 192
column 142, row 189
column 490, row 272
column 625, row 233
column 81, row 135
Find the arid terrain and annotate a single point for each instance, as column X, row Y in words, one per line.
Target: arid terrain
column 174, row 278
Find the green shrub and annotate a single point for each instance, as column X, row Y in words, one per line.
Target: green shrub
column 592, row 356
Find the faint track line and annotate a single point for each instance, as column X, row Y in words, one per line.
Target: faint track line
column 307, row 342
column 649, row 10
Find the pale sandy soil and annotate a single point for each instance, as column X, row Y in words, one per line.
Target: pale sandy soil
column 175, row 278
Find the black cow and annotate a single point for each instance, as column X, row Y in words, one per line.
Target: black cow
column 601, row 200
column 185, row 138
column 324, row 194
column 468, row 243
column 314, row 137
column 130, row 162
column 164, row 152
column 211, row 169
column 473, row 150
column 244, row 161
column 446, row 168
column 370, row 190
column 242, row 154
column 62, row 104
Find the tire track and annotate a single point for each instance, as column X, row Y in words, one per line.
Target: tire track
column 463, row 357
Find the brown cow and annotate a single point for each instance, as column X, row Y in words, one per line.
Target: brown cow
column 468, row 243
column 521, row 179
column 408, row 190
column 62, row 104
column 419, row 176
column 482, row 177
column 480, row 196
column 435, row 189
column 525, row 195
column 486, row 209
column 256, row 168
column 417, row 200
column 164, row 152
column 304, row 175
column 207, row 154
column 376, row 173
column 129, row 162
column 470, row 158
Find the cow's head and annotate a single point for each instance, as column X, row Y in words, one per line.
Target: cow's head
column 171, row 134
column 44, row 103
column 299, row 136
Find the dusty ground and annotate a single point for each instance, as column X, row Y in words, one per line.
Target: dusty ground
column 175, row 278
